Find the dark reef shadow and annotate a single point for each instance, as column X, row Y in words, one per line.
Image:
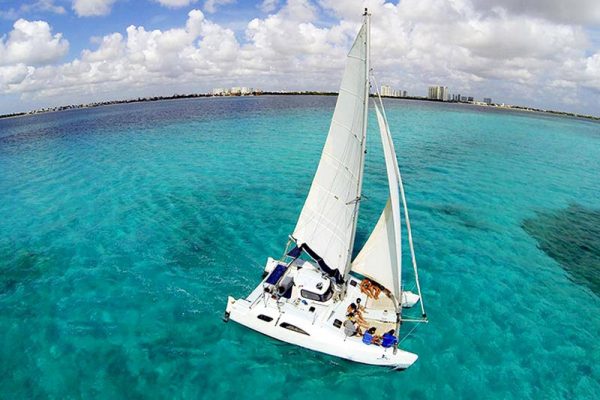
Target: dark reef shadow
column 571, row 236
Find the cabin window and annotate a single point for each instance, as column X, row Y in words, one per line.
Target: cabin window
column 293, row 328
column 265, row 318
column 317, row 297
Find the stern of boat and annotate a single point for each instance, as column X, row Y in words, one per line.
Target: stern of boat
column 402, row 360
column 230, row 303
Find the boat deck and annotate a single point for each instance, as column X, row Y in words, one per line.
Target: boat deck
column 378, row 313
column 319, row 325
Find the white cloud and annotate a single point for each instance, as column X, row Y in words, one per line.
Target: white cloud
column 43, row 6
column 512, row 58
column 142, row 57
column 299, row 10
column 567, row 12
column 32, row 43
column 38, row 6
column 175, row 3
column 592, row 72
column 211, row 6
column 13, row 75
column 92, row 8
column 269, row 5
column 9, row 14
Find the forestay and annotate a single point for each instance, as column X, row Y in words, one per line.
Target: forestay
column 381, row 257
column 327, row 222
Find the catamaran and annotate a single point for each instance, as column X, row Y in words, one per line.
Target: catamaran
column 309, row 294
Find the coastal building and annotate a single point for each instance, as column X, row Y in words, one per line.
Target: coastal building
column 438, row 93
column 487, row 100
column 236, row 91
column 386, row 90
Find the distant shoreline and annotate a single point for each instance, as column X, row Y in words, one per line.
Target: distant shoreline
column 280, row 93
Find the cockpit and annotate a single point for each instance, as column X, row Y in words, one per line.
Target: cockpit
column 313, row 285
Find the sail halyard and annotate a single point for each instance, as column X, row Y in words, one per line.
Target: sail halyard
column 326, row 227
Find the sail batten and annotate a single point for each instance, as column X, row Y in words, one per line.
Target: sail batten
column 328, row 219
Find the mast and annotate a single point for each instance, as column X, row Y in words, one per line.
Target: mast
column 367, row 88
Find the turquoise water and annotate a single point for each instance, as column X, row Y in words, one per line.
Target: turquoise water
column 124, row 228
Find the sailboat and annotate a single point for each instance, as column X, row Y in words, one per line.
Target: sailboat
column 308, row 295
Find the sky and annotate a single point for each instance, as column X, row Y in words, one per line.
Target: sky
column 543, row 54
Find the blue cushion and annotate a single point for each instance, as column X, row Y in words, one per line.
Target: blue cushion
column 276, row 274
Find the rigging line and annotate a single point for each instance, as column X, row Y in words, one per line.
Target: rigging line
column 410, row 240
column 408, row 334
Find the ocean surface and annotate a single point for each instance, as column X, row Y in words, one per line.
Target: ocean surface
column 124, row 228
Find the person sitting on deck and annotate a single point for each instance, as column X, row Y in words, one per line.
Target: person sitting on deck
column 357, row 317
column 353, row 312
column 352, row 308
column 356, row 310
column 369, row 288
column 359, row 307
column 351, row 328
column 388, row 339
column 370, row 338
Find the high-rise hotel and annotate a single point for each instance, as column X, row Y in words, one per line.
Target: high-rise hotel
column 438, row 93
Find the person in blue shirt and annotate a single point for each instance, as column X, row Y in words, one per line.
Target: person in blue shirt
column 370, row 338
column 388, row 339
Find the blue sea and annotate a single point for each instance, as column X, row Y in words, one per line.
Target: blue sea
column 124, row 228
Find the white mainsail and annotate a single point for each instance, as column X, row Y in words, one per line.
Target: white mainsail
column 327, row 223
column 380, row 258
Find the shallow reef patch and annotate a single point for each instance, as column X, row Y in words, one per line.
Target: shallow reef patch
column 571, row 236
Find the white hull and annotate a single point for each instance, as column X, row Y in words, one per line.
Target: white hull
column 320, row 334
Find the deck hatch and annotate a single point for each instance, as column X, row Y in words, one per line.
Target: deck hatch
column 265, row 318
column 293, row 328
